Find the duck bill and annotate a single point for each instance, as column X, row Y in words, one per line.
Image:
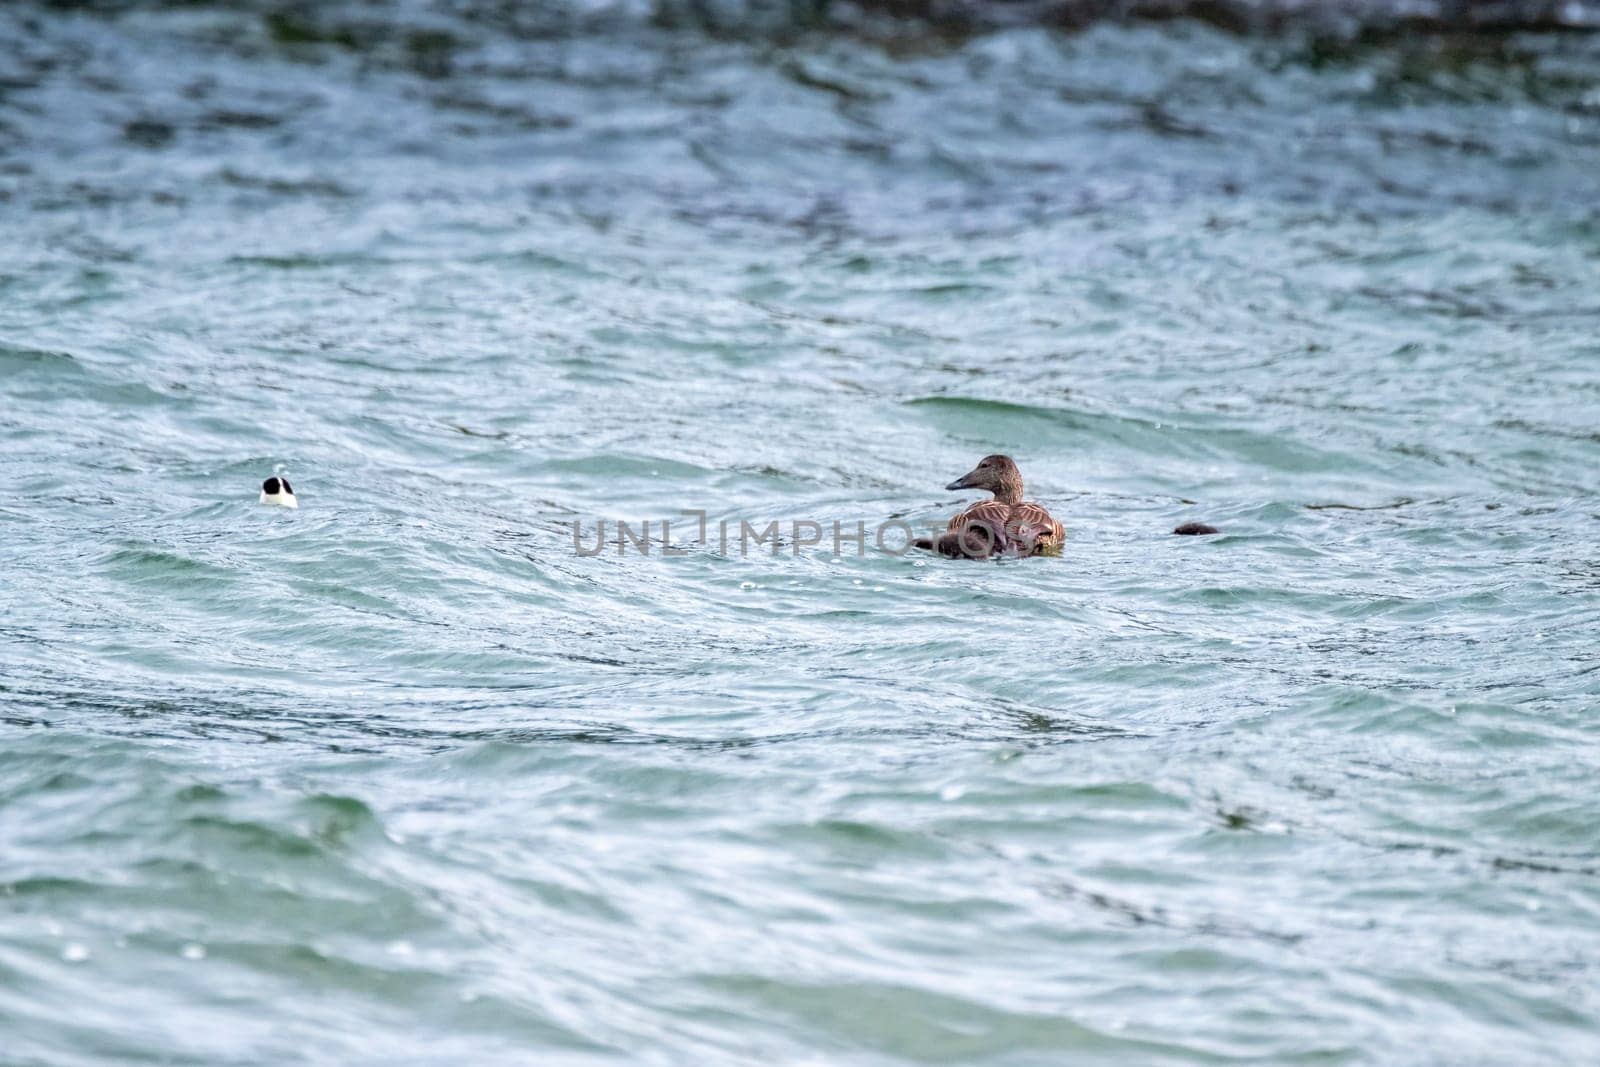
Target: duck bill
column 963, row 482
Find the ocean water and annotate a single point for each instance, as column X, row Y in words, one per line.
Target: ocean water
column 402, row 777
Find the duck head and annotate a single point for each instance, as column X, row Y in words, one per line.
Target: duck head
column 1030, row 539
column 276, row 490
column 995, row 474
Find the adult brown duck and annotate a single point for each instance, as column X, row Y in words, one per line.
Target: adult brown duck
column 1027, row 525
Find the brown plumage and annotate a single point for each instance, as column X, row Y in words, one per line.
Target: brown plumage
column 1029, row 528
column 981, row 538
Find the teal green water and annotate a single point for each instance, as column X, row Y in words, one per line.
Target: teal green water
column 399, row 777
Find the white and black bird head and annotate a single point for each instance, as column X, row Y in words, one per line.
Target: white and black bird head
column 276, row 490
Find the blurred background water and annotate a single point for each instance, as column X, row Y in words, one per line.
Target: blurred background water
column 399, row 777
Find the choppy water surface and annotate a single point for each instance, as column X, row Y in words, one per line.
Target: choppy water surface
column 399, row 777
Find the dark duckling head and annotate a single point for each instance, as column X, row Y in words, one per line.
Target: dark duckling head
column 276, row 490
column 995, row 474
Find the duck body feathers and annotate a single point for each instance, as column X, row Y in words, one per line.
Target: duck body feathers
column 982, row 538
column 1026, row 522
